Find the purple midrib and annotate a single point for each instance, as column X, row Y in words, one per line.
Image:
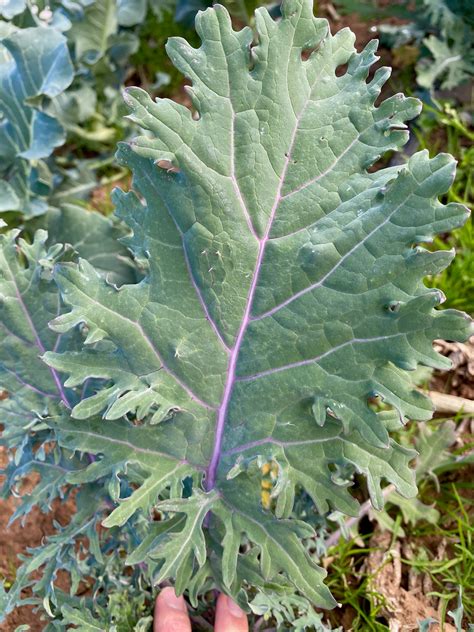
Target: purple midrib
column 38, row 342
column 222, row 411
column 233, row 357
column 41, row 347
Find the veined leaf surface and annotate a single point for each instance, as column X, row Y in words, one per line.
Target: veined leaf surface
column 28, row 301
column 284, row 291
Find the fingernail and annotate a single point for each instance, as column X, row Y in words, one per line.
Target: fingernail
column 177, row 603
column 234, row 609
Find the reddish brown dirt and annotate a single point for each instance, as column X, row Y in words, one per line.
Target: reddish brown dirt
column 17, row 538
column 100, row 196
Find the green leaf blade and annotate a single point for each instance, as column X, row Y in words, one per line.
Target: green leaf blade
column 283, row 292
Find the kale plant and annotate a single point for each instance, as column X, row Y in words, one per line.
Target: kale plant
column 449, row 61
column 62, row 66
column 283, row 290
column 442, row 30
column 32, row 67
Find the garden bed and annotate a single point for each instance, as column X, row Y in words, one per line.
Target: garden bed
column 384, row 582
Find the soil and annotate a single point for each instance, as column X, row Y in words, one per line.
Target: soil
column 404, row 594
column 18, row 537
column 460, row 379
column 100, row 197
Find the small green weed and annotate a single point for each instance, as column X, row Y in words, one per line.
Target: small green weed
column 454, row 568
column 442, row 549
column 351, row 586
column 442, row 128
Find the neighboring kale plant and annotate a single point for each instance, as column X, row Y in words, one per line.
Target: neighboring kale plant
column 61, row 70
column 441, row 30
column 449, row 61
column 32, row 67
column 62, row 66
column 283, row 291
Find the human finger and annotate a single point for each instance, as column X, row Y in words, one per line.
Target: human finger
column 171, row 613
column 229, row 616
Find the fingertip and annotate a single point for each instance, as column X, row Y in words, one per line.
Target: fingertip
column 171, row 612
column 229, row 616
column 169, row 599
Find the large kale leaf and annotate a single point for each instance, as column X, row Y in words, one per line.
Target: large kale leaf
column 283, row 292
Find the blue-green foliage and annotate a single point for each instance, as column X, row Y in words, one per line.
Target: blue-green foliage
column 10, row 8
column 62, row 67
column 128, row 433
column 443, row 30
column 450, row 58
column 35, row 65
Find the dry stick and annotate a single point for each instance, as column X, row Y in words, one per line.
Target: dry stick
column 445, row 403
column 258, row 624
column 331, row 9
column 205, row 625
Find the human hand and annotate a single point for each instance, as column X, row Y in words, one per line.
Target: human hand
column 171, row 614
